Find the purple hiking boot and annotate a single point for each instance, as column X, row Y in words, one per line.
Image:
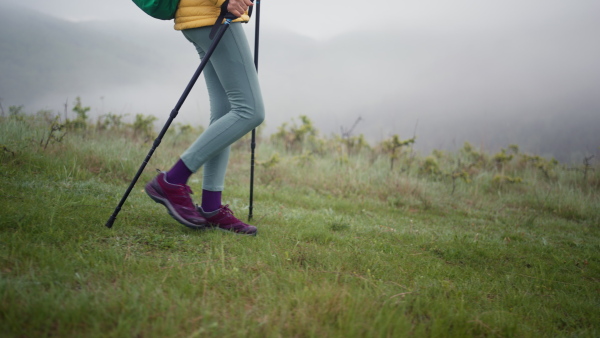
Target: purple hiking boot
column 223, row 219
column 176, row 198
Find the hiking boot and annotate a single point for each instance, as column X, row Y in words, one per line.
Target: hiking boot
column 223, row 219
column 176, row 198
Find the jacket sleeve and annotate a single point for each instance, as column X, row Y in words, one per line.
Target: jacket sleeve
column 219, row 3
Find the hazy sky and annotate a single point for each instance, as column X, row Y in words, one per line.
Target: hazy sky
column 431, row 61
column 323, row 19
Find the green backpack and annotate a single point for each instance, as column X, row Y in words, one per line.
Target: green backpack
column 159, row 9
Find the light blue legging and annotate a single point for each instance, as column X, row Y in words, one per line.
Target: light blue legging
column 236, row 105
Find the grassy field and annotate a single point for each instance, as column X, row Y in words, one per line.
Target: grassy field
column 354, row 241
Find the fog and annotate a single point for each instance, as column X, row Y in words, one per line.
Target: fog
column 493, row 73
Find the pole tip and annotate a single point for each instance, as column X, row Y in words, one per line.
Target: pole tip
column 110, row 222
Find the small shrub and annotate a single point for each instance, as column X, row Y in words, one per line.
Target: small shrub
column 502, row 159
column 392, row 147
column 80, row 121
column 293, row 137
column 430, row 167
column 144, row 126
column 56, row 133
column 500, row 181
column 476, row 159
column 110, row 121
column 545, row 166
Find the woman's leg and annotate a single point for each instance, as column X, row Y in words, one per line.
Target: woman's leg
column 216, row 167
column 236, row 102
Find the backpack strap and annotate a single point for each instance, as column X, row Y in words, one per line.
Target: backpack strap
column 222, row 16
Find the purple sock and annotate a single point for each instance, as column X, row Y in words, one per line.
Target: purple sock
column 211, row 200
column 179, row 174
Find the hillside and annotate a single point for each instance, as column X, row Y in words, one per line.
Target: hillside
column 450, row 245
column 42, row 56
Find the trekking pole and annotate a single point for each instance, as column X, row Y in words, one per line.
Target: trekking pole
column 221, row 31
column 253, row 141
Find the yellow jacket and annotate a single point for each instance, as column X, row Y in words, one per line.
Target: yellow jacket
column 200, row 13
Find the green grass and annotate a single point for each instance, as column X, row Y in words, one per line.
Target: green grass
column 345, row 247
